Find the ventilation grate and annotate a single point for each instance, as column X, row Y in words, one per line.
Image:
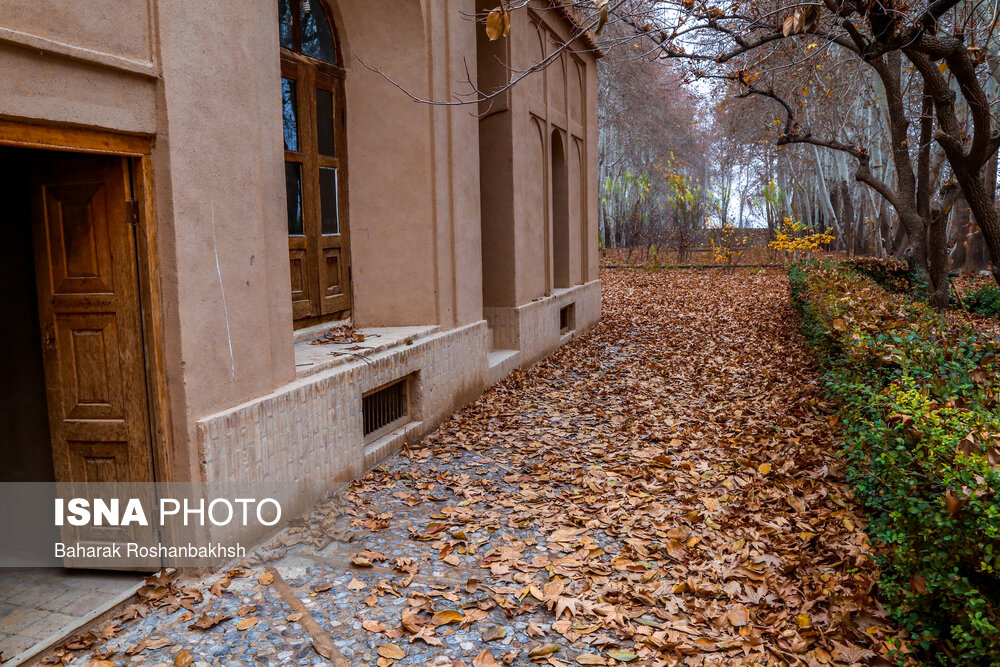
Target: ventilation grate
column 384, row 409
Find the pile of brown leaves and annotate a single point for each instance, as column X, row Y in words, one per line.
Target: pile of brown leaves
column 665, row 491
column 662, row 491
column 160, row 593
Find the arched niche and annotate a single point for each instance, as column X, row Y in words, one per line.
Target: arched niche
column 560, row 211
column 392, row 187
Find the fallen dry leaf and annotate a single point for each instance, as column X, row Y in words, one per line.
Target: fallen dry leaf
column 484, row 659
column 183, row 659
column 447, row 616
column 373, row 626
column 391, row 651
column 543, row 650
column 207, row 621
column 247, row 623
column 738, row 615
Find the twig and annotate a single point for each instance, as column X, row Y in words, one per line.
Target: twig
column 961, row 302
column 322, row 641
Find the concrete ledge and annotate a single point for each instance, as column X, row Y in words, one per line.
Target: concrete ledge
column 502, row 363
column 309, row 434
column 103, row 612
column 390, row 443
column 312, row 358
column 311, row 430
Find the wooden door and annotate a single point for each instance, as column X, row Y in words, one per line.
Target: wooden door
column 316, row 188
column 89, row 309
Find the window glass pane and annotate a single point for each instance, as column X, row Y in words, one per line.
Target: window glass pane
column 293, row 194
column 286, row 28
column 328, row 200
column 317, row 37
column 324, row 122
column 289, row 114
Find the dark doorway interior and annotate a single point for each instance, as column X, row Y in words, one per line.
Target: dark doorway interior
column 25, row 448
column 560, row 211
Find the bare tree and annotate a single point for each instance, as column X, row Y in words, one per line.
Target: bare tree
column 944, row 42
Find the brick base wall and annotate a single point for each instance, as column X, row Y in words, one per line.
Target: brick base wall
column 533, row 328
column 309, row 434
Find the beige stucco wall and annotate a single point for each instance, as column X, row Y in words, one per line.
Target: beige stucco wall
column 202, row 81
column 389, row 161
column 518, row 204
column 117, row 28
column 220, row 198
column 89, row 62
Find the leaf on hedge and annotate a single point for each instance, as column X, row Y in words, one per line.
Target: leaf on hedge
column 993, row 456
column 954, row 503
column 967, row 446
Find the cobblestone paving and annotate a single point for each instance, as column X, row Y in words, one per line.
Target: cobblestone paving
column 623, row 501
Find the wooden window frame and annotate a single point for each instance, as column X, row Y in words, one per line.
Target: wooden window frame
column 316, row 303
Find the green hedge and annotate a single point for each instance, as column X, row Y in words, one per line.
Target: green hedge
column 921, row 422
column 984, row 300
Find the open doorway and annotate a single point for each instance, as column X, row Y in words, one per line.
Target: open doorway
column 73, row 396
column 25, row 447
column 76, row 408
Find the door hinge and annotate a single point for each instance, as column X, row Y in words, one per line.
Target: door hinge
column 132, row 212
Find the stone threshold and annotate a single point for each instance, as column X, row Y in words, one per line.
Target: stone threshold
column 102, row 612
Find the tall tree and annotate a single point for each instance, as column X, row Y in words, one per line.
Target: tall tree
column 944, row 43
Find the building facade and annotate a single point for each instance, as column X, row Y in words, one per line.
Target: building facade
column 239, row 250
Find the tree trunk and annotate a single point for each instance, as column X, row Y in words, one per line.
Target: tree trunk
column 846, row 215
column 981, row 203
column 959, row 236
column 937, row 258
column 899, row 246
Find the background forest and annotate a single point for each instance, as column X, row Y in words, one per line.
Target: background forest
column 765, row 115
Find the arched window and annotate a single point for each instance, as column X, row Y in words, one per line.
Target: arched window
column 312, row 96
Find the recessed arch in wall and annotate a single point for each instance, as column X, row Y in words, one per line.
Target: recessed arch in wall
column 560, row 211
column 536, row 226
column 315, row 138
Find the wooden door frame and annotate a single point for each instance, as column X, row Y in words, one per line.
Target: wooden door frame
column 137, row 150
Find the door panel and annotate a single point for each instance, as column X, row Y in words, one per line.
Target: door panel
column 92, row 379
column 81, row 257
column 302, row 286
column 90, row 316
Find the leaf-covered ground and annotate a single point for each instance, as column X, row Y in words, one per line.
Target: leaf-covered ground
column 661, row 491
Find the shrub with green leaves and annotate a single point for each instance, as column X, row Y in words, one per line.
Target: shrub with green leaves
column 984, row 300
column 919, row 401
